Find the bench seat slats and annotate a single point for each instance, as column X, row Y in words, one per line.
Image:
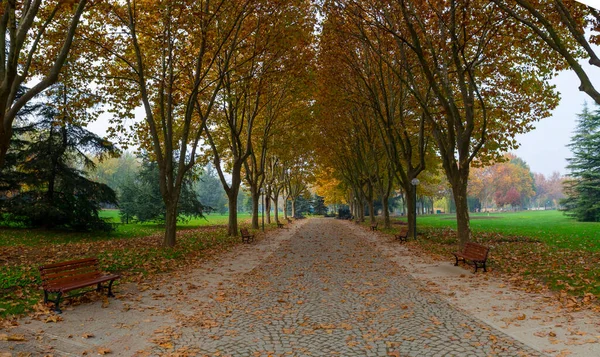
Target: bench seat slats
column 65, row 287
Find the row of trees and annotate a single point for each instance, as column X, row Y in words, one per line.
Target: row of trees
column 512, row 183
column 423, row 86
column 219, row 81
column 403, row 86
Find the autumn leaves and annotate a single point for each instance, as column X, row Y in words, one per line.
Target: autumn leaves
column 424, row 86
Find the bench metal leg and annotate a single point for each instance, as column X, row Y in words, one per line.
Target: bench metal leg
column 99, row 287
column 45, row 297
column 110, row 293
column 57, row 303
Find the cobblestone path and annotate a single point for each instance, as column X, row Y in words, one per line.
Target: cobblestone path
column 327, row 292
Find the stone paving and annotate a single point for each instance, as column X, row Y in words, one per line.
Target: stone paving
column 326, row 292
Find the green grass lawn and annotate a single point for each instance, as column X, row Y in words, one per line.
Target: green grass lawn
column 551, row 227
column 36, row 237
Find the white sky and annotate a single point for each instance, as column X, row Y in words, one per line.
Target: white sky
column 544, row 148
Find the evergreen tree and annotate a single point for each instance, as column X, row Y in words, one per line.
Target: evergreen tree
column 140, row 197
column 583, row 187
column 318, row 204
column 210, row 190
column 44, row 182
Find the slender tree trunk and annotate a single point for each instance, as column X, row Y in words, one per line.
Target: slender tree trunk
column 170, row 223
column 285, row 215
column 255, row 195
column 294, row 208
column 276, row 206
column 268, row 208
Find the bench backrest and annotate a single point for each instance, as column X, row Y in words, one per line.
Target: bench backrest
column 74, row 270
column 244, row 232
column 476, row 250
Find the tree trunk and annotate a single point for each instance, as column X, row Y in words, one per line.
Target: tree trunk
column 267, row 201
column 386, row 212
column 285, row 215
column 170, row 223
column 276, row 206
column 255, row 195
column 459, row 190
column 371, row 211
column 233, row 223
column 294, row 208
column 5, row 136
column 361, row 210
column 411, row 208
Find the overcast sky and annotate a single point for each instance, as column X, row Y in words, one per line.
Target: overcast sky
column 544, row 148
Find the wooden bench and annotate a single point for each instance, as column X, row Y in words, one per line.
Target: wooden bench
column 289, row 220
column 475, row 253
column 61, row 278
column 374, row 226
column 246, row 236
column 279, row 225
column 402, row 236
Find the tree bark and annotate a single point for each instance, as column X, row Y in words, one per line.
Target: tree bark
column 294, row 208
column 459, row 190
column 276, row 207
column 409, row 199
column 170, row 223
column 255, row 195
column 268, row 207
column 233, row 223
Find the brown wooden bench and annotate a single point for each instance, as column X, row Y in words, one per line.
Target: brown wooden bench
column 61, row 278
column 246, row 236
column 402, row 236
column 279, row 225
column 473, row 254
column 374, row 226
column 289, row 220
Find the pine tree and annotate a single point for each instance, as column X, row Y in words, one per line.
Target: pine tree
column 140, row 197
column 44, row 181
column 583, row 187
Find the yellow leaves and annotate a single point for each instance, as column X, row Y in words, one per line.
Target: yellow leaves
column 53, row 318
column 13, row 338
column 104, row 351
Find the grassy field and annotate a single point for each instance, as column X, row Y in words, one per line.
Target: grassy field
column 534, row 249
column 551, row 227
column 36, row 237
